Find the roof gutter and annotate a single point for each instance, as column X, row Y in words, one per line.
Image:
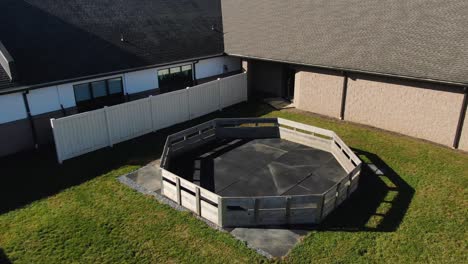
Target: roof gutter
column 94, row 76
column 461, row 85
column 7, row 63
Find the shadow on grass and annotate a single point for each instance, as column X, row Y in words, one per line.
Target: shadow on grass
column 31, row 176
column 3, row 257
column 379, row 204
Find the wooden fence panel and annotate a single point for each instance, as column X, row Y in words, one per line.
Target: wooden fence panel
column 209, row 212
column 192, row 196
column 271, row 210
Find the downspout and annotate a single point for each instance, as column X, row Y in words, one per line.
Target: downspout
column 64, row 113
column 343, row 96
column 124, row 88
column 195, row 81
column 461, row 119
column 30, row 118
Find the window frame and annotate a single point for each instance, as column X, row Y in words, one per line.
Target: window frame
column 94, row 99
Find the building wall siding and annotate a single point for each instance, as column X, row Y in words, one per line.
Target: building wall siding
column 46, row 103
column 42, row 125
column 66, row 95
column 426, row 111
column 464, row 135
column 140, row 81
column 215, row 66
column 318, row 93
column 429, row 113
column 12, row 108
column 44, row 100
column 22, row 139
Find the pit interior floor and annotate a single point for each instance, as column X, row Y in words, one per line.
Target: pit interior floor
column 260, row 167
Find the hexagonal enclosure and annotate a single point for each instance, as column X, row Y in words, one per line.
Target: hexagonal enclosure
column 258, row 171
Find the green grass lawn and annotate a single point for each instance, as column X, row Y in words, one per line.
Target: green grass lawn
column 78, row 212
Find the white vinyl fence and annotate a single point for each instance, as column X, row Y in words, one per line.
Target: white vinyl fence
column 82, row 133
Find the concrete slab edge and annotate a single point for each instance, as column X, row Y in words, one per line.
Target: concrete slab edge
column 124, row 179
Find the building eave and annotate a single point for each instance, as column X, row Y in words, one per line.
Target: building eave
column 94, row 76
column 347, row 70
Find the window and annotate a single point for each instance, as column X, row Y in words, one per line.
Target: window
column 163, row 72
column 175, row 78
column 115, row 86
column 94, row 95
column 99, row 89
column 186, row 68
column 187, row 71
column 175, row 70
column 82, row 92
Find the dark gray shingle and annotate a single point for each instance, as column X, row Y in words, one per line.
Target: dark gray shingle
column 412, row 38
column 54, row 40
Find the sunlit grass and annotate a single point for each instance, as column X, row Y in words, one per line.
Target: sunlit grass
column 415, row 212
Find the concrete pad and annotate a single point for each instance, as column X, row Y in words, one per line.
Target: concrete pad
column 270, row 242
column 279, row 103
column 148, row 177
column 276, row 242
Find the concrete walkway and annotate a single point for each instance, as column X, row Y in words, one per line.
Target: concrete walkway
column 268, row 241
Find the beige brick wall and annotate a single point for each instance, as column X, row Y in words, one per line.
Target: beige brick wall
column 464, row 136
column 318, row 93
column 429, row 113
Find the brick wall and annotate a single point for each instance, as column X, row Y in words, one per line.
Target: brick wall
column 318, row 93
column 464, row 136
column 427, row 111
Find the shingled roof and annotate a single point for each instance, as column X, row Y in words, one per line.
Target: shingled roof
column 52, row 40
column 409, row 38
column 5, row 81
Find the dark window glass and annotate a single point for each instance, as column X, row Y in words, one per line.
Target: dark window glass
column 94, row 95
column 115, row 86
column 175, row 78
column 175, row 70
column 82, row 92
column 163, row 72
column 186, row 67
column 99, row 89
column 187, row 72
